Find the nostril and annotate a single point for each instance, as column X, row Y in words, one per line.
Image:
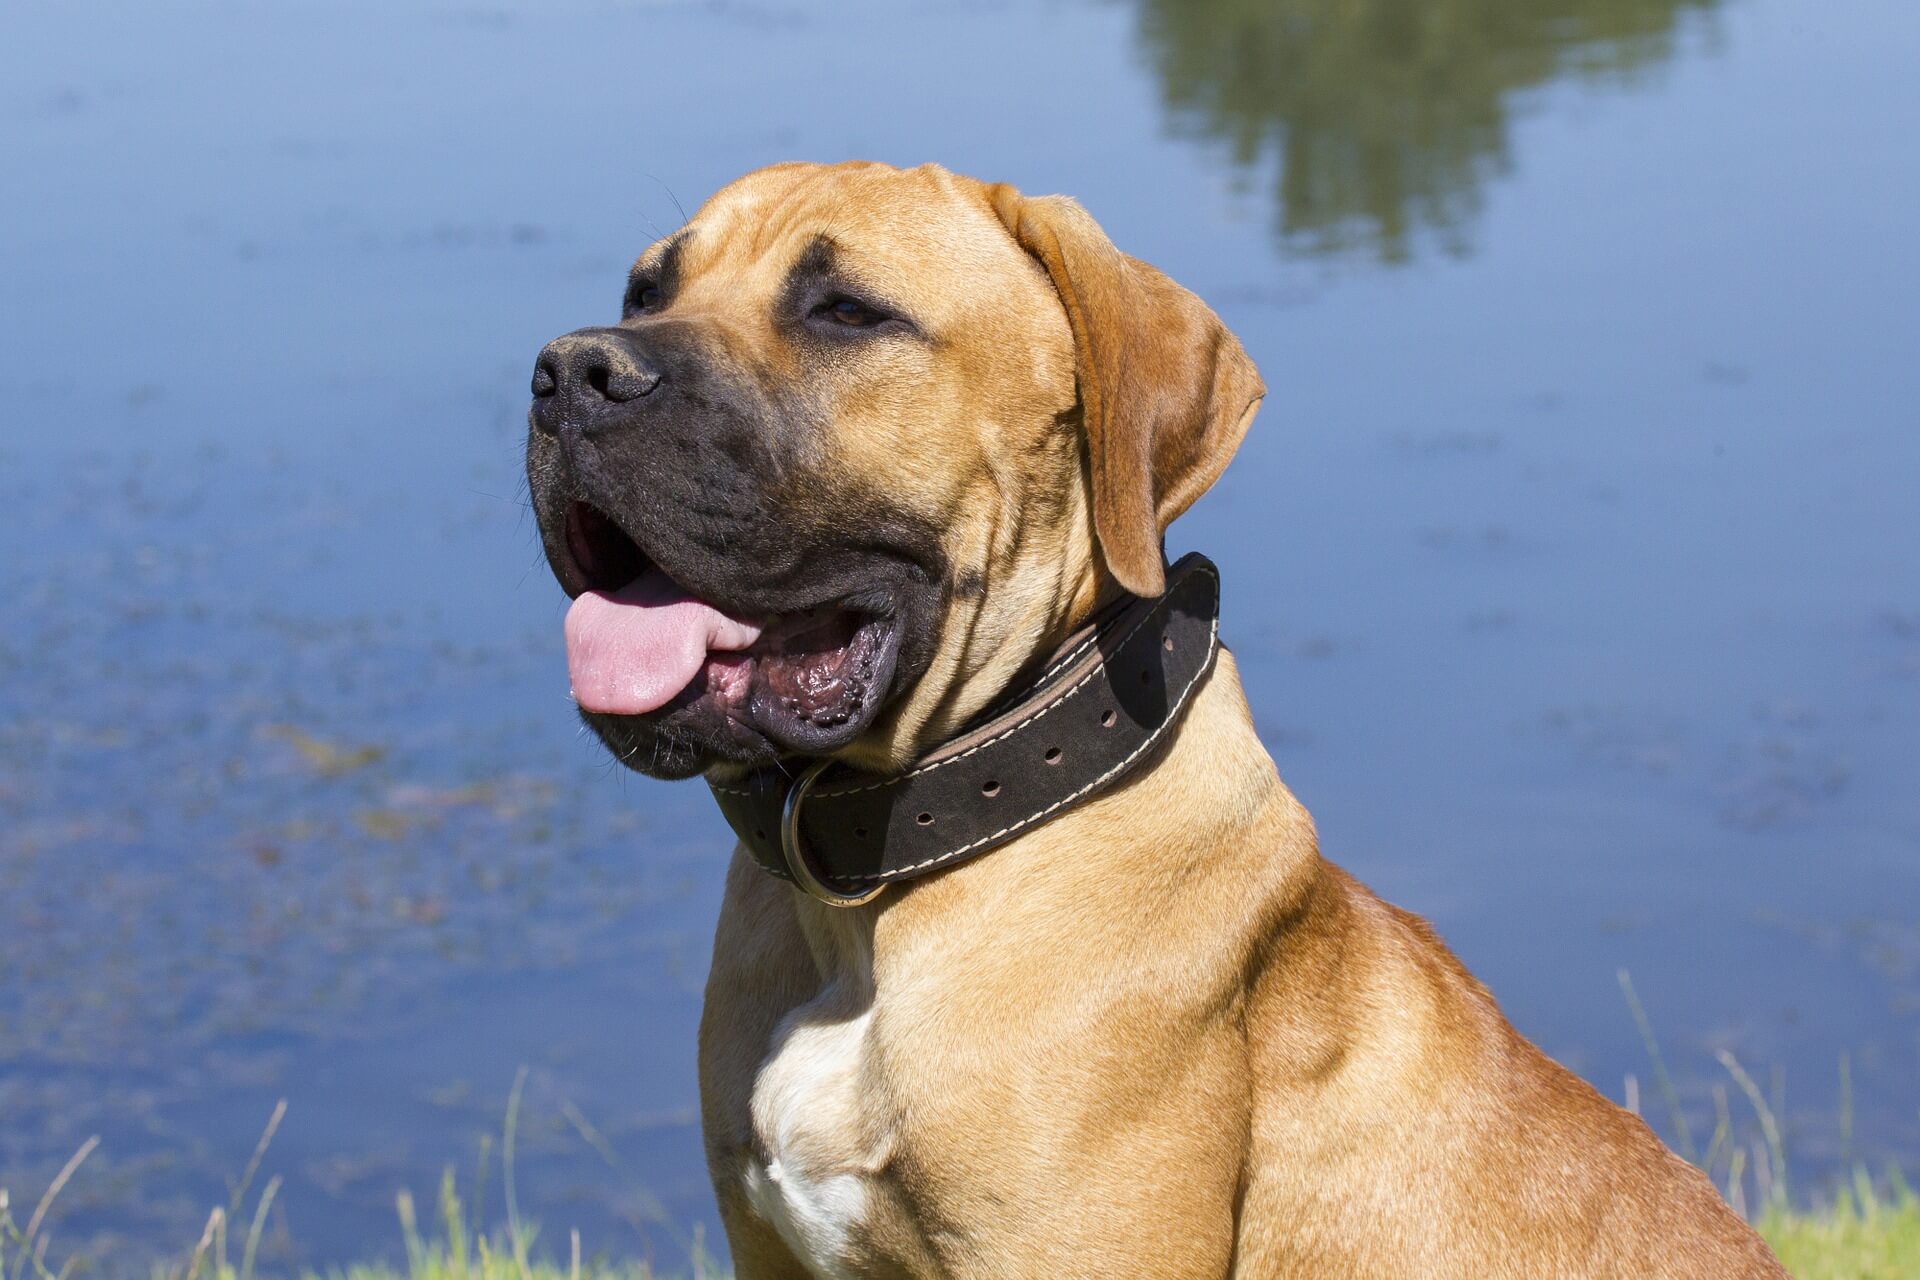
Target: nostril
column 599, row 377
column 627, row 383
column 544, row 381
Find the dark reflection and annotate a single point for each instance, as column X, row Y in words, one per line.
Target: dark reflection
column 1387, row 116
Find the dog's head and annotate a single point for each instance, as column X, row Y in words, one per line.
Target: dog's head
column 864, row 442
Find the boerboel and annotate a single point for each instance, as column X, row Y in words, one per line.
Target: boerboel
column 866, row 447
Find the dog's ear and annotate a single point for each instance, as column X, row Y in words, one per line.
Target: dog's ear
column 1166, row 391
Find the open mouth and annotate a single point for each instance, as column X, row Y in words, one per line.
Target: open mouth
column 639, row 643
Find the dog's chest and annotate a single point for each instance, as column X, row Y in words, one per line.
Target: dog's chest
column 822, row 1146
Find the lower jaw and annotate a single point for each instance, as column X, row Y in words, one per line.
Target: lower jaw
column 734, row 713
column 804, row 706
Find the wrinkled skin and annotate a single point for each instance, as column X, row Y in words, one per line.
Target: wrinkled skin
column 835, row 474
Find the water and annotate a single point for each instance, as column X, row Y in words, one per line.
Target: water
column 1571, row 563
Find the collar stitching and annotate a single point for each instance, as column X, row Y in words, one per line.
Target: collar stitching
column 1015, row 728
column 1213, row 636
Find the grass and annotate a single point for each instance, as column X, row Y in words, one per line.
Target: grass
column 455, row 1252
column 1864, row 1231
column 1865, row 1235
column 454, row 1249
column 459, row 1254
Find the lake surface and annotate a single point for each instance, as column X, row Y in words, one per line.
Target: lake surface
column 1573, row 563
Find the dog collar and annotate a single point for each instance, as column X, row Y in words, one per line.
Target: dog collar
column 1095, row 712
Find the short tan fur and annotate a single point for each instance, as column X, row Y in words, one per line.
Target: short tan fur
column 1159, row 1035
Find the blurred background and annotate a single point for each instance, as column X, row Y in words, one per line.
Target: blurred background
column 1571, row 562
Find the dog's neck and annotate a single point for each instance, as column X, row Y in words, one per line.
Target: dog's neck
column 1157, row 838
column 1096, row 713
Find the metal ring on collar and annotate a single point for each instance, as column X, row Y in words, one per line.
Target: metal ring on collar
column 794, row 849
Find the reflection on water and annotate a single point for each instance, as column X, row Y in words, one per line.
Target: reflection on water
column 1386, row 118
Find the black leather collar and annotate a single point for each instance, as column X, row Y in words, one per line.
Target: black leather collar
column 1095, row 712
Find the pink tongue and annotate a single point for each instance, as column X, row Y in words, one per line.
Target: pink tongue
column 630, row 651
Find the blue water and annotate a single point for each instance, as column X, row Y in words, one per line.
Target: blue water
column 1571, row 563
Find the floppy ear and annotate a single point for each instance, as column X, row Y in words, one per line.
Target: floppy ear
column 1166, row 391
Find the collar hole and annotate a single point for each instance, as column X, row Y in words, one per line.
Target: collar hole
column 925, row 819
column 1053, row 755
column 1107, row 719
column 990, row 789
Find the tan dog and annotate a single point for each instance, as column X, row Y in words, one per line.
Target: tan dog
column 866, row 443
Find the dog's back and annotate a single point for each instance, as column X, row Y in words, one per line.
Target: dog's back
column 1405, row 1128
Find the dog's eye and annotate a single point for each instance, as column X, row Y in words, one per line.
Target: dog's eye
column 644, row 298
column 855, row 315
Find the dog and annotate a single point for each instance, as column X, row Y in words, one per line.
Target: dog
column 869, row 452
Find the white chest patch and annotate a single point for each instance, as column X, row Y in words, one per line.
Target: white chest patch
column 821, row 1146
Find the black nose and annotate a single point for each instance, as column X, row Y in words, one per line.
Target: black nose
column 582, row 377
